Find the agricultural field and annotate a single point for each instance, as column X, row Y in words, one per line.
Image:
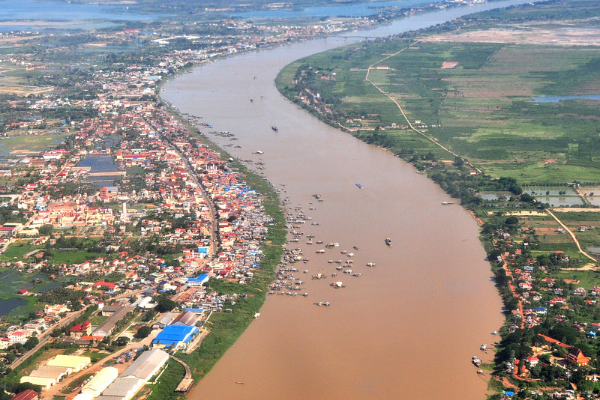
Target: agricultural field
column 474, row 98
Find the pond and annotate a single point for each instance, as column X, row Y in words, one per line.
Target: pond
column 99, row 164
column 556, row 99
column 494, row 196
column 549, row 191
column 562, row 201
column 6, row 306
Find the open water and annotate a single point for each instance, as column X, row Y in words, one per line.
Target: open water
column 407, row 328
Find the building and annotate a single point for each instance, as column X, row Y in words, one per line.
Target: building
column 108, row 193
column 80, row 330
column 122, row 389
column 100, row 381
column 175, row 336
column 76, row 363
column 147, row 365
column 199, row 281
column 165, row 320
column 576, row 357
column 44, row 383
column 106, row 328
column 188, row 318
column 27, row 395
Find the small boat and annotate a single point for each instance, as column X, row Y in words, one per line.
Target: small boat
column 275, row 128
column 240, row 383
column 256, row 315
column 495, row 333
column 388, row 242
column 259, row 152
column 359, row 185
column 446, row 203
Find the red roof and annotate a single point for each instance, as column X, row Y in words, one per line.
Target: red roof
column 26, row 395
column 105, row 284
column 81, row 327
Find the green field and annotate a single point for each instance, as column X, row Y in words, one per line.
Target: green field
column 481, row 109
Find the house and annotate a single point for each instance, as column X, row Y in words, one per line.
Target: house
column 108, row 193
column 27, row 395
column 532, row 361
column 80, row 330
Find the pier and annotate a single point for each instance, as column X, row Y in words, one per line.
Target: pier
column 187, row 382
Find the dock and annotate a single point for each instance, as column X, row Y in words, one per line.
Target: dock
column 187, row 382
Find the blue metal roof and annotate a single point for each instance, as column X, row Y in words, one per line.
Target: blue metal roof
column 173, row 334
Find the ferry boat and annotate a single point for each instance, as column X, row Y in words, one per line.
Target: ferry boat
column 388, row 242
column 275, row 128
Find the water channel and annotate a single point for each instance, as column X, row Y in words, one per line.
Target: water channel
column 407, row 328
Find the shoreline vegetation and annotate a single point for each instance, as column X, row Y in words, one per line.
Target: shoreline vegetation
column 456, row 106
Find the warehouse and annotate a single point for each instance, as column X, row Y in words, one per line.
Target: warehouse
column 106, row 328
column 123, row 388
column 175, row 336
column 48, row 371
column 84, row 396
column 100, row 381
column 147, row 365
column 165, row 320
column 188, row 318
column 199, row 281
column 76, row 363
column 44, row 383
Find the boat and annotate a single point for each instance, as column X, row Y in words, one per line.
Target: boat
column 388, row 242
column 359, row 185
column 446, row 203
column 275, row 128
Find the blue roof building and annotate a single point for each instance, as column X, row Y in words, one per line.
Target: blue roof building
column 175, row 336
column 199, row 281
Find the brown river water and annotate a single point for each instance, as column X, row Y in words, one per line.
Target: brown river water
column 407, row 328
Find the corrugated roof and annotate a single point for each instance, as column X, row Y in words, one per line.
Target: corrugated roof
column 188, row 318
column 123, row 387
column 173, row 334
column 100, row 381
column 26, row 395
column 75, row 362
column 49, row 371
column 147, row 364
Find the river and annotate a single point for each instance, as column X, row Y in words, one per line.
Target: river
column 407, row 328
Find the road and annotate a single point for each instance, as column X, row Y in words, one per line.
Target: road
column 45, row 337
column 213, row 213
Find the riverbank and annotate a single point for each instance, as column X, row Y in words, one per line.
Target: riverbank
column 530, row 252
column 226, row 328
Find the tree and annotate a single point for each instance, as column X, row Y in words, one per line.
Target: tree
column 31, row 342
column 165, row 304
column 122, row 341
column 143, row 332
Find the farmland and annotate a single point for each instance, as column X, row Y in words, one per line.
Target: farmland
column 474, row 98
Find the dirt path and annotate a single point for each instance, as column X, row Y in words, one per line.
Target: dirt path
column 412, row 127
column 572, row 236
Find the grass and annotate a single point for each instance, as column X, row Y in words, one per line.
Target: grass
column 31, row 142
column 76, row 383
